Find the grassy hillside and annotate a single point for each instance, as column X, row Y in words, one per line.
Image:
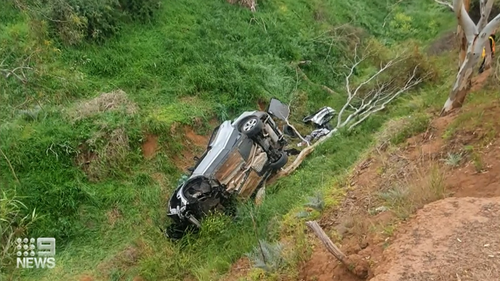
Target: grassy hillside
column 75, row 155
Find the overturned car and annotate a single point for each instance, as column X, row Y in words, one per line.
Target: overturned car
column 241, row 154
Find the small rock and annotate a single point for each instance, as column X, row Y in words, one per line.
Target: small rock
column 491, row 256
column 458, row 239
column 486, row 245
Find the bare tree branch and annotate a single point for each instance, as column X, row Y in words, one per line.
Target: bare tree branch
column 14, row 72
column 465, row 21
column 485, row 6
column 447, row 4
column 369, row 103
column 379, row 101
column 293, row 128
column 352, row 95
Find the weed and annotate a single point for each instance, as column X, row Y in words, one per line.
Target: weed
column 15, row 220
column 478, row 163
column 316, row 202
column 105, row 102
column 416, row 124
column 267, row 256
column 475, row 157
column 389, row 229
column 453, row 159
column 31, row 114
column 409, row 195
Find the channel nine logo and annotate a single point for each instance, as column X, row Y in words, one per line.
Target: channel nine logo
column 37, row 253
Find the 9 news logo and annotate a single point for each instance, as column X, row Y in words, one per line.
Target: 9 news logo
column 36, row 255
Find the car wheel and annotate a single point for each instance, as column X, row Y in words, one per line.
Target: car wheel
column 281, row 162
column 250, row 126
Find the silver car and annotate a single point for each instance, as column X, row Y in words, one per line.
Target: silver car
column 241, row 154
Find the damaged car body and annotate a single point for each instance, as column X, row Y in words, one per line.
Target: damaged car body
column 241, row 154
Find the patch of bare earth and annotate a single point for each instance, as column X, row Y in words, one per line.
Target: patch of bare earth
column 150, row 146
column 377, row 221
column 451, row 239
column 193, row 145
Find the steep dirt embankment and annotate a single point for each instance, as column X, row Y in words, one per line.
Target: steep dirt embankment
column 451, row 239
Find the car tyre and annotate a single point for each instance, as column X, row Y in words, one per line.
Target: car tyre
column 281, row 162
column 250, row 126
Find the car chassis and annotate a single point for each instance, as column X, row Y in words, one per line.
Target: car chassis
column 240, row 156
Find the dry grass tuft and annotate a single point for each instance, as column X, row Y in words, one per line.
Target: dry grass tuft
column 391, row 129
column 419, row 187
column 250, row 4
column 113, row 101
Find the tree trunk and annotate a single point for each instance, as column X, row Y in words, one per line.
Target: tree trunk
column 477, row 36
column 462, row 39
column 463, row 82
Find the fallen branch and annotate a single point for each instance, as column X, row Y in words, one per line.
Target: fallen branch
column 358, row 270
column 14, row 72
column 297, row 133
column 303, row 154
column 447, row 4
column 361, row 106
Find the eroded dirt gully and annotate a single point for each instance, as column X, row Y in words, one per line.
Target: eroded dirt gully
column 456, row 238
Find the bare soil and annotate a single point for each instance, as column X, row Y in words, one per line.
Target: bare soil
column 193, row 145
column 150, row 146
column 451, row 239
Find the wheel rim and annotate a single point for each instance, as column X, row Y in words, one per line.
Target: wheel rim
column 249, row 125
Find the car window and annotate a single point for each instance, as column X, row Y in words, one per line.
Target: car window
column 214, row 136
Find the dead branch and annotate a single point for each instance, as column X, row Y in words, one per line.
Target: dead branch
column 380, row 97
column 303, row 154
column 447, row 4
column 293, row 128
column 485, row 8
column 17, row 72
column 335, row 251
column 368, row 104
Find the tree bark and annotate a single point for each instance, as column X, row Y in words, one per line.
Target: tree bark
column 462, row 39
column 316, row 228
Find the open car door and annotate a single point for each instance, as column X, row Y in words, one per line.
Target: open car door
column 278, row 109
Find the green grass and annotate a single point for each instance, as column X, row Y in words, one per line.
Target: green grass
column 196, row 60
